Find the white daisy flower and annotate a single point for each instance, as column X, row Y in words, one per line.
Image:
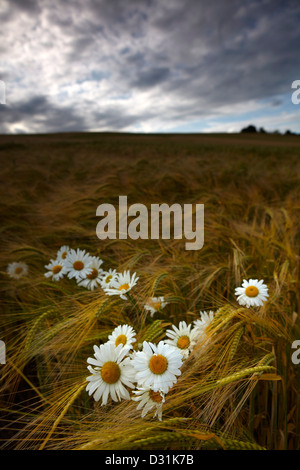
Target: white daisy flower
column 63, row 252
column 111, row 373
column 108, row 277
column 17, row 270
column 157, row 366
column 154, row 304
column 182, row 338
column 149, row 399
column 78, row 264
column 122, row 284
column 93, row 279
column 202, row 323
column 252, row 293
column 123, row 334
column 56, row 269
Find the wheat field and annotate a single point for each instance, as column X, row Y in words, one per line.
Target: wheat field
column 239, row 388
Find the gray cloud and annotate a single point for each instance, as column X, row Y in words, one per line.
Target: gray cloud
column 93, row 64
column 36, row 110
column 151, row 77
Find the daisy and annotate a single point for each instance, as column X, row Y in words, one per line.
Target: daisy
column 122, row 284
column 56, row 269
column 154, row 304
column 93, row 279
column 78, row 264
column 182, row 338
column 202, row 323
column 123, row 334
column 108, row 277
column 17, row 270
column 252, row 293
column 112, row 371
column 63, row 252
column 157, row 366
column 149, row 399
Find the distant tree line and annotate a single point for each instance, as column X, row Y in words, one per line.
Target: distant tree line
column 253, row 130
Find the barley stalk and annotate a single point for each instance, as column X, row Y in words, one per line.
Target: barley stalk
column 235, row 342
column 244, row 373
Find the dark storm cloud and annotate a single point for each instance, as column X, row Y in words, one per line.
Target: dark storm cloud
column 15, row 7
column 151, row 77
column 117, row 64
column 248, row 53
column 35, row 110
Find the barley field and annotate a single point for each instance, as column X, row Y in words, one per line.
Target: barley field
column 238, row 387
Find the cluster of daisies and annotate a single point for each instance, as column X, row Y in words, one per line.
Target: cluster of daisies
column 87, row 271
column 76, row 264
column 150, row 370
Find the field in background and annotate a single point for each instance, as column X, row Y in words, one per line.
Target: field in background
column 238, row 391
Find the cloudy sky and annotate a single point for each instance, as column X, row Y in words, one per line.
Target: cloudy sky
column 149, row 65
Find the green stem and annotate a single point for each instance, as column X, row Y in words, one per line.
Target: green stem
column 136, row 308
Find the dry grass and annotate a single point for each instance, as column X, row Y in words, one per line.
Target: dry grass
column 240, row 389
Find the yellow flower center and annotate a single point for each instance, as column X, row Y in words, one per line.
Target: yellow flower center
column 251, row 291
column 155, row 305
column 183, row 342
column 158, row 364
column 110, row 372
column 155, row 396
column 124, row 287
column 78, row 265
column 56, row 269
column 121, row 339
column 18, row 270
column 108, row 279
column 93, row 274
column 64, row 255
